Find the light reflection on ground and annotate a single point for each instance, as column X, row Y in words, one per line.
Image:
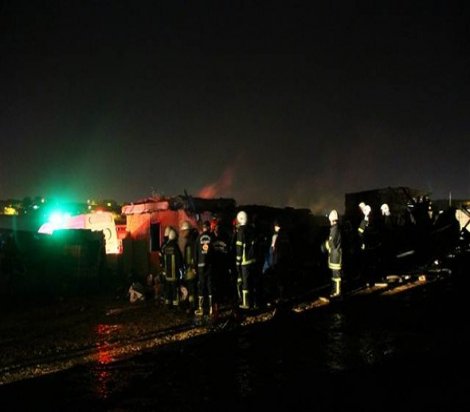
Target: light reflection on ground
column 109, row 347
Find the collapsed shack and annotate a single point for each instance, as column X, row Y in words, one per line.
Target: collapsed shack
column 399, row 199
column 415, row 234
column 147, row 219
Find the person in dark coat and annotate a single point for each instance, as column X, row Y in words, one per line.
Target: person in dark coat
column 279, row 259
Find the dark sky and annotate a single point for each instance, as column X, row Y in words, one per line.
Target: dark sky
column 289, row 103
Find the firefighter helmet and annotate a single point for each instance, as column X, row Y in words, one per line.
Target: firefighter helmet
column 185, row 225
column 385, row 209
column 367, row 209
column 333, row 216
column 242, row 218
column 172, row 234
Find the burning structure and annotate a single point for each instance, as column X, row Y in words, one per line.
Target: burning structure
column 147, row 219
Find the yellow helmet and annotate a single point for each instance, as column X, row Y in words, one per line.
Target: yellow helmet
column 185, row 225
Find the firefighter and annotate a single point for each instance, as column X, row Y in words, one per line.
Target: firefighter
column 235, row 293
column 245, row 260
column 173, row 268
column 160, row 281
column 335, row 254
column 386, row 230
column 369, row 247
column 204, row 256
column 186, row 243
column 363, row 226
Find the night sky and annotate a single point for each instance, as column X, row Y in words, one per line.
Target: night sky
column 278, row 103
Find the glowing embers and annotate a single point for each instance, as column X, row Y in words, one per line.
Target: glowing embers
column 321, row 301
column 405, row 287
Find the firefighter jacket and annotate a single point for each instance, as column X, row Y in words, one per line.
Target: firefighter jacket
column 369, row 236
column 221, row 253
column 188, row 254
column 333, row 245
column 361, row 231
column 204, row 250
column 245, row 246
column 172, row 261
column 187, row 246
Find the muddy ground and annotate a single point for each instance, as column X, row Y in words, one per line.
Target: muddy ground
column 35, row 333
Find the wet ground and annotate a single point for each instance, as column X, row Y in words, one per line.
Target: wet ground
column 403, row 347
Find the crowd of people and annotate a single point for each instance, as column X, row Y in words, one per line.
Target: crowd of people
column 382, row 241
column 202, row 268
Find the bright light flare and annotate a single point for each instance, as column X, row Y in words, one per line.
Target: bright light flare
column 58, row 219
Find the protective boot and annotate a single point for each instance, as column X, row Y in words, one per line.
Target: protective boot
column 336, row 288
column 175, row 303
column 239, row 289
column 200, row 310
column 211, row 310
column 245, row 304
column 215, row 312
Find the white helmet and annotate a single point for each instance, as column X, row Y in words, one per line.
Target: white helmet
column 362, row 205
column 242, row 218
column 367, row 209
column 333, row 216
column 172, row 234
column 385, row 209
